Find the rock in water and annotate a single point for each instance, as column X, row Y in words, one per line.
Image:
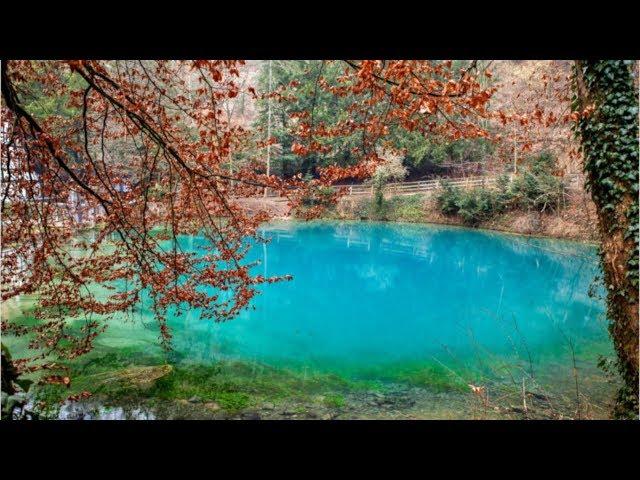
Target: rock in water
column 212, row 406
column 251, row 416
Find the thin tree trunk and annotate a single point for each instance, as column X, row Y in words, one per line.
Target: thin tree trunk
column 266, row 189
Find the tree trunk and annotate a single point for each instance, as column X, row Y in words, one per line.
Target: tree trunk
column 608, row 132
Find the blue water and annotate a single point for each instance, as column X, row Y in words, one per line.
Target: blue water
column 367, row 294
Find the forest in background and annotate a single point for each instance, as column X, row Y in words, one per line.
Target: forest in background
column 521, row 87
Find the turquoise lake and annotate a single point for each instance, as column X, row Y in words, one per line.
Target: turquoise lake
column 369, row 297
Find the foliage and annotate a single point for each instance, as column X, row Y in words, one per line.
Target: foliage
column 406, row 208
column 334, row 114
column 425, row 155
column 474, row 205
column 532, row 112
column 400, row 208
column 448, row 199
column 388, row 171
column 503, row 186
column 605, row 106
column 537, row 192
column 477, row 204
column 535, row 189
column 126, row 147
column 296, row 88
column 391, row 170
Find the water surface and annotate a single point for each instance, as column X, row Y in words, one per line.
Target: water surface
column 366, row 298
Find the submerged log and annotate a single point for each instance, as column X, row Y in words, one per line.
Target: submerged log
column 138, row 377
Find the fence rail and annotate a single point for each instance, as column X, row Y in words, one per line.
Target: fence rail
column 572, row 181
column 424, row 186
column 421, row 186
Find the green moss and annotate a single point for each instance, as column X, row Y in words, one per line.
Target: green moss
column 234, row 385
column 334, row 401
column 233, row 401
column 241, row 383
column 436, row 378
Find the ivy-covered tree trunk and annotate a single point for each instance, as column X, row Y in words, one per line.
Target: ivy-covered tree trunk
column 606, row 100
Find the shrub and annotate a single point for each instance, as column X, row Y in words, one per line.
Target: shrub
column 473, row 205
column 378, row 196
column 478, row 204
column 503, row 187
column 362, row 207
column 390, row 171
column 409, row 208
column 538, row 190
column 447, row 199
column 535, row 189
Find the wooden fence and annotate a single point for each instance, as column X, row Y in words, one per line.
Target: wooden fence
column 425, row 186
column 422, row 186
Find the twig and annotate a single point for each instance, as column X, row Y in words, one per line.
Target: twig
column 524, row 398
column 575, row 371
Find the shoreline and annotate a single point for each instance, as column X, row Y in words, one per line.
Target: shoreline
column 484, row 229
column 575, row 221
